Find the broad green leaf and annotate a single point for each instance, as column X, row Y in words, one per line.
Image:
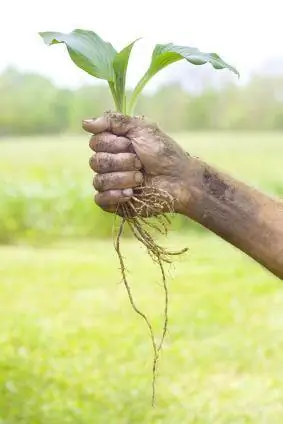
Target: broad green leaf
column 165, row 54
column 87, row 50
column 120, row 65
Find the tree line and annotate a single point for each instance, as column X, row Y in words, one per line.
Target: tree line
column 32, row 104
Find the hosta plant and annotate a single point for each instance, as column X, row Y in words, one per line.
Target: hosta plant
column 101, row 60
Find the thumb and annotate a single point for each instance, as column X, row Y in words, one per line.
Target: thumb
column 116, row 123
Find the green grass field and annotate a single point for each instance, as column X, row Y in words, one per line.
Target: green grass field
column 46, row 184
column 71, row 348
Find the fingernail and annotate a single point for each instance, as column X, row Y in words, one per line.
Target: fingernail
column 128, row 192
column 138, row 177
column 88, row 121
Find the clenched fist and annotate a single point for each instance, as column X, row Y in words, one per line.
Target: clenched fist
column 130, row 153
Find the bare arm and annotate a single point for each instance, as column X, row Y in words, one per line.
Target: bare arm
column 131, row 153
column 241, row 215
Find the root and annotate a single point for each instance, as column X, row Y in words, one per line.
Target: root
column 135, row 308
column 149, row 201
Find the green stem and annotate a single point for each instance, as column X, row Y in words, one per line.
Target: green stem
column 143, row 81
column 119, row 108
column 124, row 108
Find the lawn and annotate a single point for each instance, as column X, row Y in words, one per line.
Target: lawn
column 254, row 157
column 73, row 351
column 46, row 183
column 71, row 348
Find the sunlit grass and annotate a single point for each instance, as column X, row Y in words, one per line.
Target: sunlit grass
column 72, row 349
column 46, row 183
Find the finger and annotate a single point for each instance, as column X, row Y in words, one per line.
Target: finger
column 107, row 142
column 117, row 180
column 96, row 125
column 115, row 123
column 112, row 198
column 108, row 162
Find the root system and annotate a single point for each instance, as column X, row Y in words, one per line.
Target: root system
column 147, row 202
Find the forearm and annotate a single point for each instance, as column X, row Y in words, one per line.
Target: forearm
column 241, row 215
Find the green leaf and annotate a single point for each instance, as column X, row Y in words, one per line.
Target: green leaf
column 165, row 54
column 120, row 65
column 87, row 50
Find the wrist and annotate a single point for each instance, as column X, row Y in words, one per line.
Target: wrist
column 189, row 186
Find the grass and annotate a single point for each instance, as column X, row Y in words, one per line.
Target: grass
column 46, row 190
column 255, row 157
column 71, row 348
column 73, row 351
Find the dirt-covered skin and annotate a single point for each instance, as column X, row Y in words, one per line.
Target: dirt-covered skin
column 128, row 154
column 131, row 152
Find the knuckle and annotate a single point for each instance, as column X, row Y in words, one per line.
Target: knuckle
column 136, row 162
column 124, row 143
column 130, row 162
column 120, row 123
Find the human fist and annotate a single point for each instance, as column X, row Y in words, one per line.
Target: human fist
column 133, row 157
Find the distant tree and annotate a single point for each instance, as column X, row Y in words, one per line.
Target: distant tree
column 31, row 104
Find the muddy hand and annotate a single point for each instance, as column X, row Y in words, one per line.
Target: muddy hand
column 130, row 152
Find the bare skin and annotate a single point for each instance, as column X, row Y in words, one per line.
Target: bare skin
column 131, row 152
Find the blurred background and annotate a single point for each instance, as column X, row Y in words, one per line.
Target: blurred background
column 71, row 348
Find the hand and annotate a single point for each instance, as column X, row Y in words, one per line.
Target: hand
column 132, row 153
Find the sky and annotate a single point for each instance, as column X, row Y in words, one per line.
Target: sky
column 246, row 33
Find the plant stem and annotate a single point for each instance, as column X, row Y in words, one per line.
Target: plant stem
column 143, row 81
column 124, row 108
column 119, row 108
